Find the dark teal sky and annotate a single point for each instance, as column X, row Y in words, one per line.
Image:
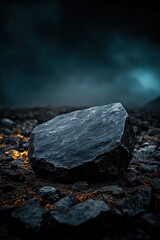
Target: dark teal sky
column 79, row 53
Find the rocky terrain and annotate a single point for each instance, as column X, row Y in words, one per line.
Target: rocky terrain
column 31, row 207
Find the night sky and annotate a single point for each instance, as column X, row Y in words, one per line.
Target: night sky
column 79, row 52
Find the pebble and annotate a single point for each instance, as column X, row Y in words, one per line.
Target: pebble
column 50, row 193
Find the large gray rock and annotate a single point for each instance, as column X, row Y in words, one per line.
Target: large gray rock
column 29, row 216
column 81, row 213
column 86, row 144
column 84, row 220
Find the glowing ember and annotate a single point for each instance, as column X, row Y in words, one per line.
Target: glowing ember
column 1, row 136
column 21, row 136
column 48, row 206
column 2, row 145
column 19, row 155
column 16, row 201
column 91, row 195
column 16, row 154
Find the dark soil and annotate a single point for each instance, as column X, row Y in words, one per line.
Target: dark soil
column 133, row 197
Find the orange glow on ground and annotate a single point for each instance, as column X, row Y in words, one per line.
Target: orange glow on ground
column 17, row 154
column 1, row 136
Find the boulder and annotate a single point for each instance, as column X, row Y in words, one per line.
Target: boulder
column 89, row 144
column 87, row 219
column 29, row 216
column 81, row 213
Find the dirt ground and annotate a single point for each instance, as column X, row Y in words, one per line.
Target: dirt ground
column 132, row 196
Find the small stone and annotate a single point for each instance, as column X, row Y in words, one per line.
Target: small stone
column 65, row 203
column 16, row 164
column 50, row 193
column 7, row 122
column 25, row 146
column 28, row 126
column 115, row 190
column 81, row 185
column 145, row 144
column 106, row 198
column 147, row 152
column 14, row 176
column 86, row 144
column 138, row 203
column 81, row 213
column 148, row 168
column 30, row 216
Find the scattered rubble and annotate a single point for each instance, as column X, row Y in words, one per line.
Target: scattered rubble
column 36, row 208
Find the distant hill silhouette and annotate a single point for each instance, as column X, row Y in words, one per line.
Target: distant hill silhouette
column 154, row 104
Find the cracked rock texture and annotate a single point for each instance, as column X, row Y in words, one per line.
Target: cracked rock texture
column 84, row 144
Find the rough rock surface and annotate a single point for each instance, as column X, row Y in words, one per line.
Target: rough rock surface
column 114, row 190
column 29, row 216
column 138, row 203
column 79, row 217
column 84, row 144
column 50, row 193
column 65, row 203
column 138, row 200
column 82, row 213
